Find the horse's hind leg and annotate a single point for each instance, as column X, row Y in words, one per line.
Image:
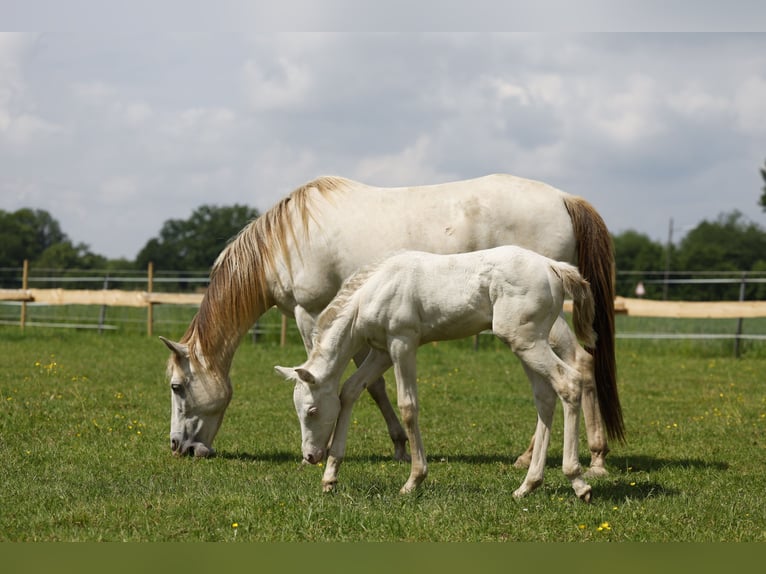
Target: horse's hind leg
column 377, row 390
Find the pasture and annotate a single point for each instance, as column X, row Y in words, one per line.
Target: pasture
column 84, row 423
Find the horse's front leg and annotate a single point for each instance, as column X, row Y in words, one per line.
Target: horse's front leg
column 373, row 367
column 377, row 390
column 403, row 355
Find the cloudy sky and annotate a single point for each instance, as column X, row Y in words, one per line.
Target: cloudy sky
column 113, row 133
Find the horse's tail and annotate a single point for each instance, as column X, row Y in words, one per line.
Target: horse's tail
column 584, row 308
column 595, row 260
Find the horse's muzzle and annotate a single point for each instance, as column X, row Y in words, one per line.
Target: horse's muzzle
column 190, row 448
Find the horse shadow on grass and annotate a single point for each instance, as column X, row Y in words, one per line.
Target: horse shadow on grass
column 617, row 486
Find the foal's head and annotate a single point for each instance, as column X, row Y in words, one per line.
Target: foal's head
column 317, row 406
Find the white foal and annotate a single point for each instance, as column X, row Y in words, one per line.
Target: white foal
column 415, row 297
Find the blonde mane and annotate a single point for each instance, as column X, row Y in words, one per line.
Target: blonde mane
column 238, row 290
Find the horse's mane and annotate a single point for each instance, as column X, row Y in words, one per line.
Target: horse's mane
column 238, row 291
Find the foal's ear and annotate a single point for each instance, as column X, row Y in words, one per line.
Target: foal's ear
column 306, row 376
column 286, row 372
column 295, row 375
column 181, row 350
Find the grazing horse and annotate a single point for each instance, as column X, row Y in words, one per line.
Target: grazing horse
column 297, row 255
column 415, row 297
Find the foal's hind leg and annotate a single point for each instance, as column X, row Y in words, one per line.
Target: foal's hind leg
column 545, row 402
column 550, row 376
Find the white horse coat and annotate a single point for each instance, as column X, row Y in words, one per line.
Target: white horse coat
column 416, row 297
column 297, row 255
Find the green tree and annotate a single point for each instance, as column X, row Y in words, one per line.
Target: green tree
column 193, row 244
column 762, row 202
column 731, row 243
column 637, row 258
column 26, row 234
column 65, row 255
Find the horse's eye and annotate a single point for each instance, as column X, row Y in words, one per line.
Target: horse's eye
column 177, row 388
column 312, row 412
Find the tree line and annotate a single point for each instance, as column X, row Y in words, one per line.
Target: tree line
column 731, row 243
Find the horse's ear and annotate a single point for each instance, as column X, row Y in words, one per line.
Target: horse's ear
column 181, row 350
column 306, row 376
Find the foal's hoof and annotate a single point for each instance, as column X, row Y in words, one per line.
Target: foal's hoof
column 585, row 496
column 329, row 486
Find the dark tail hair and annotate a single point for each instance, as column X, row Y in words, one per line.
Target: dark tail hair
column 595, row 260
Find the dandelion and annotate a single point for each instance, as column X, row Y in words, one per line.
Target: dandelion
column 604, row 526
column 235, row 525
column 581, row 526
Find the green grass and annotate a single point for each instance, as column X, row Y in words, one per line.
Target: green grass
column 83, row 440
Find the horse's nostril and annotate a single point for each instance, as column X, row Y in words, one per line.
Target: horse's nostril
column 174, row 444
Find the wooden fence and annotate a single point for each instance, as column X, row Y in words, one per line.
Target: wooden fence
column 148, row 298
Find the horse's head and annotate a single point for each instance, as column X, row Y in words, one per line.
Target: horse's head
column 317, row 405
column 199, row 398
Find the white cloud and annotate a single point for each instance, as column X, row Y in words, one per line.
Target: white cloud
column 20, row 126
column 751, row 105
column 282, row 85
column 412, row 165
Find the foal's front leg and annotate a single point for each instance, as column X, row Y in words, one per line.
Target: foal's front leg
column 374, row 365
column 403, row 355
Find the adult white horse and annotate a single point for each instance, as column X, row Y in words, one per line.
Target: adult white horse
column 413, row 298
column 297, row 254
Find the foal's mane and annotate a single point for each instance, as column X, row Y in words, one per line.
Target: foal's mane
column 339, row 307
column 238, row 291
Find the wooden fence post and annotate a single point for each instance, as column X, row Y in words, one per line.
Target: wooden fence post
column 150, row 307
column 24, row 286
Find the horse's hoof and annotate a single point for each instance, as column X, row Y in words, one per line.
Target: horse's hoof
column 522, row 462
column 400, row 452
column 596, row 472
column 585, row 496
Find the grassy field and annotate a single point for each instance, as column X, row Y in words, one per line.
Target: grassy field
column 83, row 440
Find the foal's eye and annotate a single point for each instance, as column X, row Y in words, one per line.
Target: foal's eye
column 312, row 412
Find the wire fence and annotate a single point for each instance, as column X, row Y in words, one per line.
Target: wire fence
column 172, row 319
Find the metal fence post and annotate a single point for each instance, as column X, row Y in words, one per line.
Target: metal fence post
column 24, row 286
column 150, row 307
column 102, row 313
column 740, row 320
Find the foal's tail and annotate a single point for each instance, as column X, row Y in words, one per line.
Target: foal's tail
column 582, row 299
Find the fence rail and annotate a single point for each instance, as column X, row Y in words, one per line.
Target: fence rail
column 148, row 299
